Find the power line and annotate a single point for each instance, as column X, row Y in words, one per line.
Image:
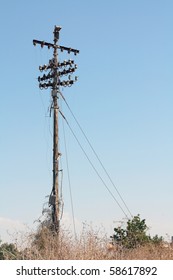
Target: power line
column 93, row 166
column 84, row 134
column 69, row 181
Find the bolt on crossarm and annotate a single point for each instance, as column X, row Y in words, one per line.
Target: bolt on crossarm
column 53, row 81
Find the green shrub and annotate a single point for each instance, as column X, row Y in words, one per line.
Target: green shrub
column 9, row 252
column 134, row 234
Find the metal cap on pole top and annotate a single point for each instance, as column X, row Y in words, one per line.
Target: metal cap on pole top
column 56, row 32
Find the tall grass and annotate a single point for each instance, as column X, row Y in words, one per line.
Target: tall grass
column 44, row 245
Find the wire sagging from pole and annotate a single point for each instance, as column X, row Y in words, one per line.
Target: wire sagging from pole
column 92, row 165
column 96, row 155
column 69, row 181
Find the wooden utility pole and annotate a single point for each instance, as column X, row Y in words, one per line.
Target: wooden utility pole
column 54, row 82
column 55, row 189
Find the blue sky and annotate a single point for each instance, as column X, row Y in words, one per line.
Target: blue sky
column 123, row 101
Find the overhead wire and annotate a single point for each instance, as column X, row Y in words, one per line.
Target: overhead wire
column 68, row 174
column 61, row 196
column 96, row 155
column 92, row 165
column 60, row 171
column 69, row 181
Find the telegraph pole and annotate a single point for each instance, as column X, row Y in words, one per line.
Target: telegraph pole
column 55, row 189
column 53, row 80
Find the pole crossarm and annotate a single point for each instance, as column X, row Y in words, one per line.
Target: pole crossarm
column 43, row 43
column 60, row 64
column 60, row 73
column 50, row 45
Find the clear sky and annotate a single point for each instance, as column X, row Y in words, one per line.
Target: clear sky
column 123, row 101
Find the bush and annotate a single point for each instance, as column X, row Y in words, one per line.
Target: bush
column 134, row 235
column 9, row 252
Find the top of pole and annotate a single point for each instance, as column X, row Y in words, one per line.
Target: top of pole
column 56, row 32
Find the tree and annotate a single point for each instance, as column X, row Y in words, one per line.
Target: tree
column 133, row 235
column 9, row 252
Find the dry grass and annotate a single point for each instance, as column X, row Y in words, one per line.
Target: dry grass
column 88, row 246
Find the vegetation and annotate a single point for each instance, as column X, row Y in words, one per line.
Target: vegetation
column 9, row 252
column 130, row 242
column 134, row 235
